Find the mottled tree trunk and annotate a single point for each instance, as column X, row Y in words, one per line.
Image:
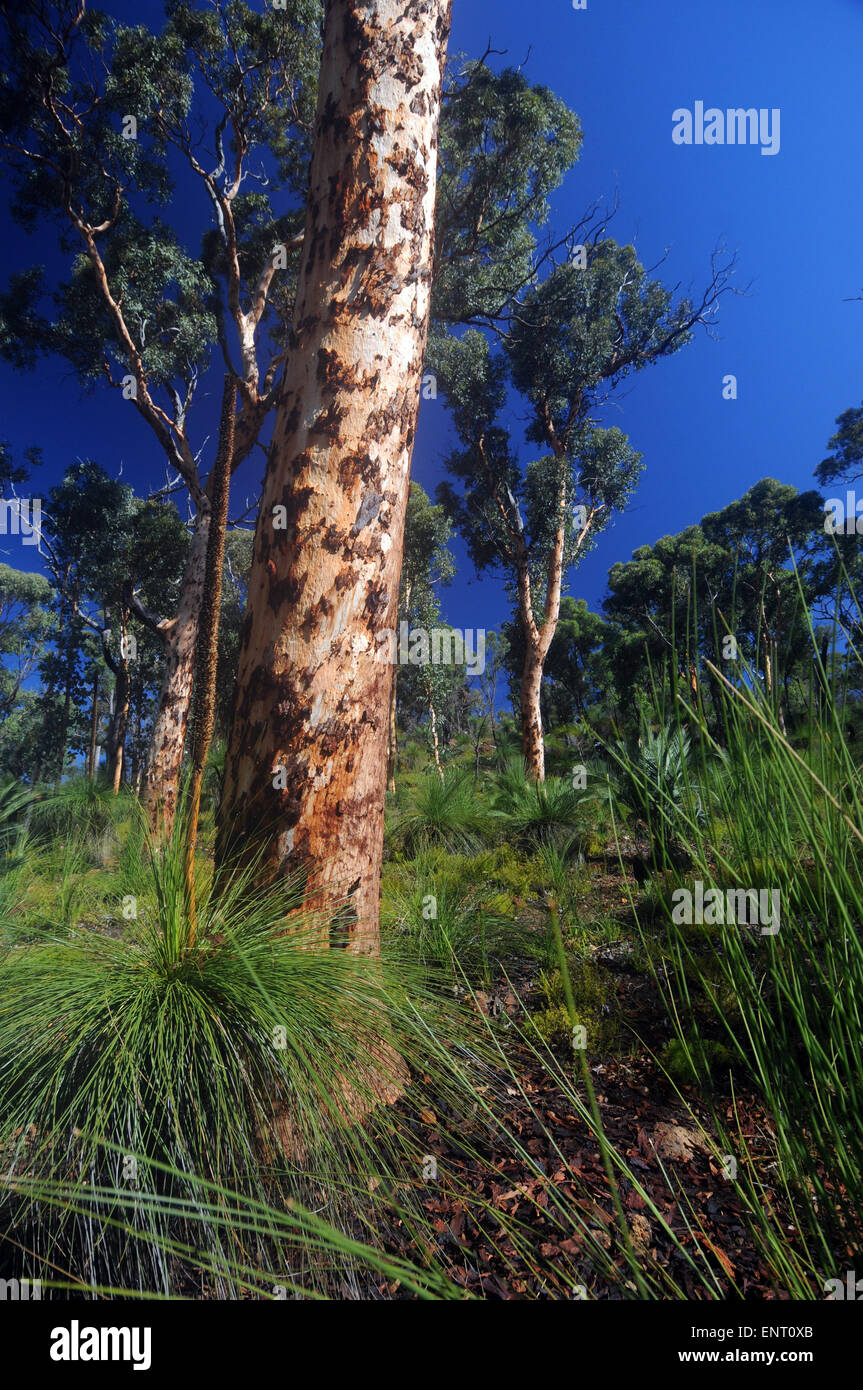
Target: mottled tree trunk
column 306, row 768
column 165, row 754
column 532, row 743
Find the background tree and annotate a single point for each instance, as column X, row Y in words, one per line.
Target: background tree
column 762, row 532
column 496, row 661
column 673, row 605
column 24, row 627
column 844, row 463
column 107, row 130
column 84, row 518
column 95, row 533
column 664, row 618
column 563, row 344
column 840, row 575
column 427, row 563
column 12, row 473
column 570, row 681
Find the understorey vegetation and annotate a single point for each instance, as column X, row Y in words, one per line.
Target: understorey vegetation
column 552, row 1082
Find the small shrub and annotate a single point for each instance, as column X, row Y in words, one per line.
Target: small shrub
column 534, row 813
column 449, row 812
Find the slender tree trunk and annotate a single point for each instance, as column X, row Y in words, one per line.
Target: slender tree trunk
column 690, row 675
column 768, row 669
column 67, row 696
column 306, row 766
column 135, row 761
column 780, row 715
column 67, row 703
column 538, row 638
column 435, row 741
column 165, row 754
column 821, row 673
column 207, row 651
column 120, row 721
column 774, row 694
column 476, row 754
column 120, row 699
column 94, row 727
column 717, row 700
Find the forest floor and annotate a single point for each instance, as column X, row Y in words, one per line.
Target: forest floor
column 664, row 1130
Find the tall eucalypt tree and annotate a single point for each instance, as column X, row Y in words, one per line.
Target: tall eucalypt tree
column 305, row 777
column 563, row 345
column 306, row 766
column 130, row 143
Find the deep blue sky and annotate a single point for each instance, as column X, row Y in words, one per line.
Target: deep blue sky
column 795, row 221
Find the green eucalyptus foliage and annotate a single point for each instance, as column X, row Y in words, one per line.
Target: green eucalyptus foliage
column 24, row 625
column 504, row 147
column 741, row 573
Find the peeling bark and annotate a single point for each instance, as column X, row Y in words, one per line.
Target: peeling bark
column 306, row 769
column 532, row 743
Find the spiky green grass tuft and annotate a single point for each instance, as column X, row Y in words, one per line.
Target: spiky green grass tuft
column 259, row 1063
